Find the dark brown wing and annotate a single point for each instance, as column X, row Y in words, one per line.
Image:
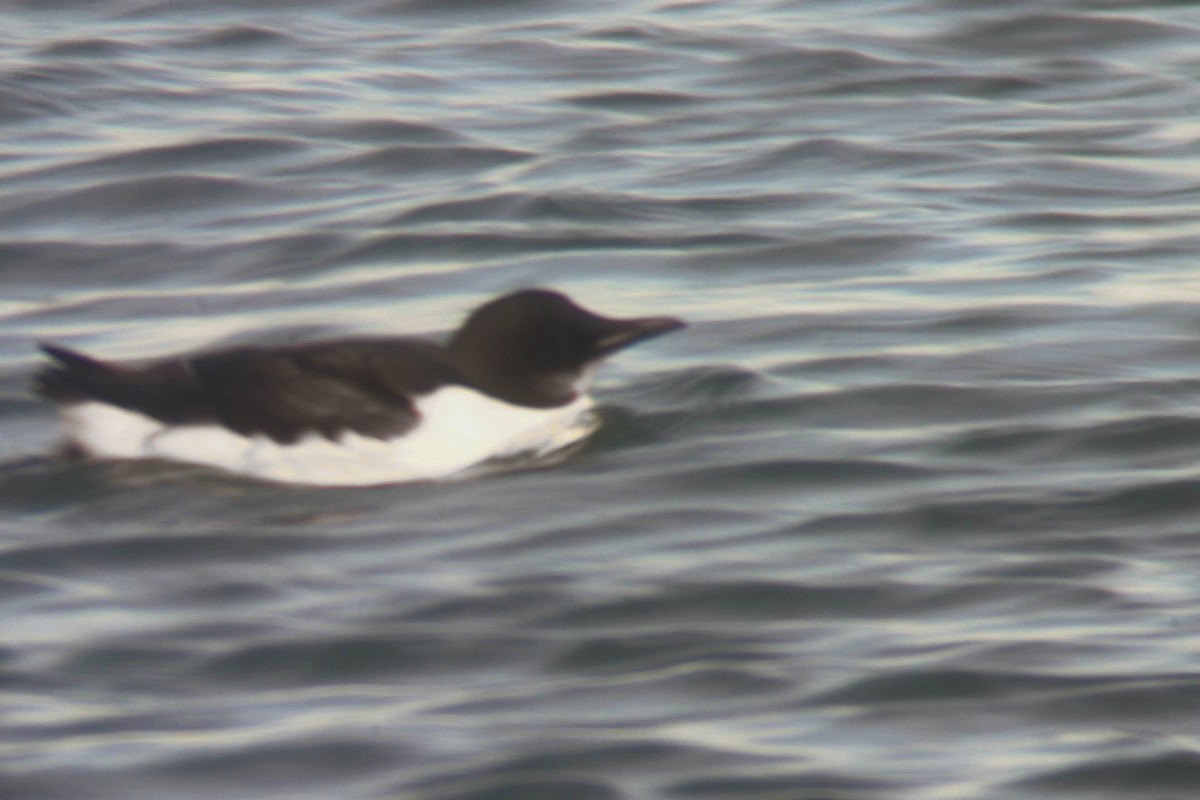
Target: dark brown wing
column 365, row 385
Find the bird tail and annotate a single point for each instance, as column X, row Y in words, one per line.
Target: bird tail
column 73, row 378
column 166, row 391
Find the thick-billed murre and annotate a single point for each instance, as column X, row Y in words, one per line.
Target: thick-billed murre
column 511, row 381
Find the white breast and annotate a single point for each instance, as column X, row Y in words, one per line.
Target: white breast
column 460, row 428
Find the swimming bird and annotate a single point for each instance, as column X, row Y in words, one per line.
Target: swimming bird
column 511, row 381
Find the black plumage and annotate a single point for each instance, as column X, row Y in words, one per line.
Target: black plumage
column 528, row 348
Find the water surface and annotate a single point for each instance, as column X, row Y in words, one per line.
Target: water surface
column 909, row 511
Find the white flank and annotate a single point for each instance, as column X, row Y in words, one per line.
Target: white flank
column 460, row 428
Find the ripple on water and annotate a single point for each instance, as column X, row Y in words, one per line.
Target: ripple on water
column 406, row 159
column 1058, row 33
column 1160, row 769
column 221, row 154
column 239, row 38
column 138, row 199
column 771, row 786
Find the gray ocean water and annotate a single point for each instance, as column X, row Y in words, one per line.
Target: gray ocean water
column 911, row 509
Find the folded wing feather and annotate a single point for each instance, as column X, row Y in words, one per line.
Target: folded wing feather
column 366, row 386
